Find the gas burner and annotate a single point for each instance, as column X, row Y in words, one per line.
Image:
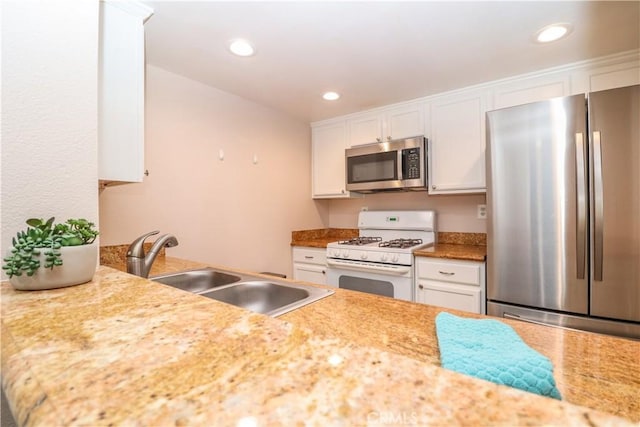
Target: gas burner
column 360, row 241
column 401, row 243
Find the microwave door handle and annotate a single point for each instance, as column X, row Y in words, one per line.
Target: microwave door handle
column 400, row 163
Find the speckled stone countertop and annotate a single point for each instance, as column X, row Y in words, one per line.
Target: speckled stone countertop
column 124, row 350
column 320, row 238
column 462, row 246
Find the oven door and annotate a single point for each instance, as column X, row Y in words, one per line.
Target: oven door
column 398, row 286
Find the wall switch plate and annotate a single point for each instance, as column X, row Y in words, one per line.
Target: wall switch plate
column 482, row 211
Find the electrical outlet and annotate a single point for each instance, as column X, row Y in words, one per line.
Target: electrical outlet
column 482, row 211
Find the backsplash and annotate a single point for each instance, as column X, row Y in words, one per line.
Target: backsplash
column 475, row 239
column 116, row 254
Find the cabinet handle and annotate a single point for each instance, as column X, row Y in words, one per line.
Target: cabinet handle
column 323, row 272
column 308, row 257
column 420, row 286
column 446, row 273
column 433, row 187
column 389, row 138
column 378, row 140
column 342, row 191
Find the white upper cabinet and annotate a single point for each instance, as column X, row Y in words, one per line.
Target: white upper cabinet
column 121, row 91
column 395, row 122
column 454, row 123
column 365, row 128
column 405, row 121
column 328, row 142
column 456, row 134
column 530, row 90
column 613, row 76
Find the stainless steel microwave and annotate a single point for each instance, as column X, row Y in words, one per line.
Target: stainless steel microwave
column 387, row 166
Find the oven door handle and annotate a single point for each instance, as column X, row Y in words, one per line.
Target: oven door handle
column 398, row 270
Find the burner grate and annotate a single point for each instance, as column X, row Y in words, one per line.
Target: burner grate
column 360, row 241
column 400, row 243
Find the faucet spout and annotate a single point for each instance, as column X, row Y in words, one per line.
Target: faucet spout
column 138, row 262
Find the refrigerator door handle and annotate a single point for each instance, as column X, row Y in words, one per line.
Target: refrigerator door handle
column 598, row 208
column 581, row 202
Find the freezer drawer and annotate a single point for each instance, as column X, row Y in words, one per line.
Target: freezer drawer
column 583, row 323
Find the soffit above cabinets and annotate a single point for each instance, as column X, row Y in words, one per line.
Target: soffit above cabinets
column 374, row 53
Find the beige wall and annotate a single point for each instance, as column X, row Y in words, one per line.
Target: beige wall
column 231, row 212
column 453, row 213
column 49, row 112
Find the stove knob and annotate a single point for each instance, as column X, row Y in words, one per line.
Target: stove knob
column 345, row 254
column 335, row 253
column 395, row 258
column 384, row 257
column 364, row 255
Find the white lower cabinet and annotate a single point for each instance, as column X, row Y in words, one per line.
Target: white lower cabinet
column 310, row 265
column 454, row 284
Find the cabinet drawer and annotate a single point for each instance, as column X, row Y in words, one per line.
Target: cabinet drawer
column 450, row 272
column 310, row 256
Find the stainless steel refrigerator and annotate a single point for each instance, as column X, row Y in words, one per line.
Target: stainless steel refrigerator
column 563, row 200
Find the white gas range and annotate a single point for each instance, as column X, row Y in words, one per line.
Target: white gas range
column 380, row 260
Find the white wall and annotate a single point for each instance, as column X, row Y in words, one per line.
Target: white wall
column 49, row 112
column 453, row 213
column 230, row 212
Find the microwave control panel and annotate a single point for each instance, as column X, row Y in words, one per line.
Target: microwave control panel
column 411, row 163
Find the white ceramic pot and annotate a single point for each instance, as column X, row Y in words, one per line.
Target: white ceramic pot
column 79, row 264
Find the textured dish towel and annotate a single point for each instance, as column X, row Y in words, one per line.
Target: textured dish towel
column 493, row 351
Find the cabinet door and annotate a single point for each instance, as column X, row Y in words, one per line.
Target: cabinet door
column 121, row 91
column 327, row 163
column 405, row 121
column 530, row 90
column 310, row 273
column 457, row 145
column 612, row 77
column 449, row 295
column 365, row 129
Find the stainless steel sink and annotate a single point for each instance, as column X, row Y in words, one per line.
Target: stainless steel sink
column 266, row 296
column 197, row 281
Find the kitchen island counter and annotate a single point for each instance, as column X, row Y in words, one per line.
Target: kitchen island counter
column 123, row 350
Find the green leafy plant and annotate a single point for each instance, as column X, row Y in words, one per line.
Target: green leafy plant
column 46, row 237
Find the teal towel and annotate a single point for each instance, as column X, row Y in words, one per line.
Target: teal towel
column 493, row 351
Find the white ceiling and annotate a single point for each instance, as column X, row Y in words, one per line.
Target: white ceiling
column 374, row 53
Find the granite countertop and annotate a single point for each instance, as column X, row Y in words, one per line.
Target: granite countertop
column 454, row 251
column 124, row 350
column 320, row 238
column 461, row 246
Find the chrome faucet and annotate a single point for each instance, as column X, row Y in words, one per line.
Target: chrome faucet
column 140, row 264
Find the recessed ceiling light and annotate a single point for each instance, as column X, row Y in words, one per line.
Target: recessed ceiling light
column 241, row 47
column 553, row 32
column 331, row 96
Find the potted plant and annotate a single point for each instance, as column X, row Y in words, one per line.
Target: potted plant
column 49, row 256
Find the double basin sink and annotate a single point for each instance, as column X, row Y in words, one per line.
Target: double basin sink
column 266, row 296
